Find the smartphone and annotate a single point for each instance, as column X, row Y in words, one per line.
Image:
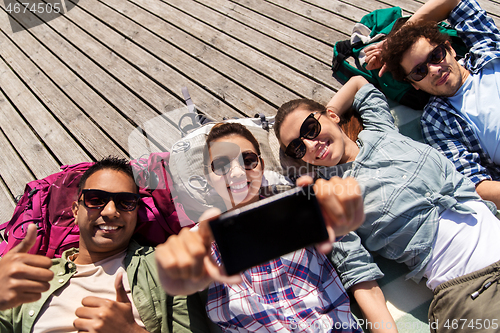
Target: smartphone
column 268, row 229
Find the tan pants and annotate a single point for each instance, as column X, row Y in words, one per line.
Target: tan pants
column 469, row 303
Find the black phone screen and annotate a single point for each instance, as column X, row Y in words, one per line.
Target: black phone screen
column 269, row 228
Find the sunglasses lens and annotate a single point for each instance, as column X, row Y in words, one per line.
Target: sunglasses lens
column 310, row 128
column 95, row 199
column 126, row 201
column 221, row 165
column 296, row 149
column 437, row 55
column 419, row 72
column 250, row 160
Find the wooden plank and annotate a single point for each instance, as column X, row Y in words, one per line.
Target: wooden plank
column 132, row 108
column 7, row 204
column 217, row 31
column 294, row 21
column 316, row 14
column 57, row 139
column 84, row 130
column 163, row 55
column 26, row 143
column 367, row 6
column 409, row 7
column 298, row 60
column 13, row 171
column 336, row 7
column 73, row 85
column 272, row 29
column 144, row 74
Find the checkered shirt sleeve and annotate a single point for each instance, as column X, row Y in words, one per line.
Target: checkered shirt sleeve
column 298, row 292
column 449, row 133
column 479, row 33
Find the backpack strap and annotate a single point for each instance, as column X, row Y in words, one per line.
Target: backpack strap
column 188, row 100
column 263, row 121
column 344, row 51
column 196, row 119
column 63, row 235
column 3, row 238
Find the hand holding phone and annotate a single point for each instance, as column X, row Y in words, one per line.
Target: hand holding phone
column 269, row 228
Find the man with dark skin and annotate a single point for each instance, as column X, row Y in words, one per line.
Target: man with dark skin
column 110, row 284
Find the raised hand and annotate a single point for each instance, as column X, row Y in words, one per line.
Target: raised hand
column 23, row 276
column 373, row 57
column 184, row 261
column 341, row 203
column 101, row 315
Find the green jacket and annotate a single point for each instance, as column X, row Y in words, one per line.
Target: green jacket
column 158, row 311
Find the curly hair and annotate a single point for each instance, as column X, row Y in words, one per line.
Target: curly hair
column 400, row 41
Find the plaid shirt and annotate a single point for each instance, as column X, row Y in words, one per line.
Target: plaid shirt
column 442, row 126
column 298, row 292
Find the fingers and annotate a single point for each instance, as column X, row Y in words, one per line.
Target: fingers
column 28, row 241
column 30, row 287
column 217, row 273
column 341, row 204
column 40, row 265
column 304, row 181
column 382, row 70
column 121, row 294
column 326, row 246
column 372, row 47
column 26, row 297
column 181, row 256
column 94, row 302
column 204, row 227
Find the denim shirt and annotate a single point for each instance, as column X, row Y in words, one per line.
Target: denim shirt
column 406, row 186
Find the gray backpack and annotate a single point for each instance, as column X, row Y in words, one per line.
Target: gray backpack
column 190, row 187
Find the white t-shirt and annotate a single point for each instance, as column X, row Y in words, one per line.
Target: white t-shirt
column 478, row 102
column 97, row 279
column 464, row 244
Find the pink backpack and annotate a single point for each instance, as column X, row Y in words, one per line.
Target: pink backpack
column 47, row 203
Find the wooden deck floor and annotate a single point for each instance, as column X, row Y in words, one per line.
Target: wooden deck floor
column 77, row 87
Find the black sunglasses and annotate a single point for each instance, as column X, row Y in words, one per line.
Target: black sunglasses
column 421, row 70
column 97, row 199
column 222, row 164
column 310, row 129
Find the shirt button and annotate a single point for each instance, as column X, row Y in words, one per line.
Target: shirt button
column 60, row 274
column 61, row 280
column 31, row 313
column 268, row 269
column 427, row 194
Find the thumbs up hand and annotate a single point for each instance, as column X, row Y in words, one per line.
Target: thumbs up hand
column 23, row 276
column 101, row 315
